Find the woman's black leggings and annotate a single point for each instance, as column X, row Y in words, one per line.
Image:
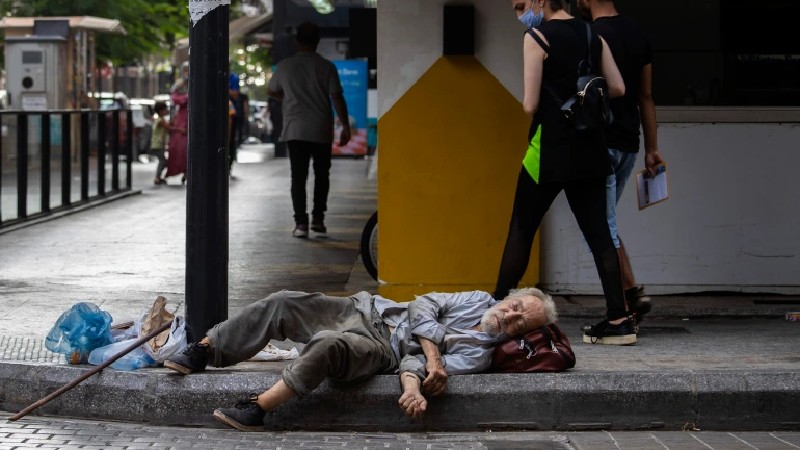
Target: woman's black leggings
column 587, row 199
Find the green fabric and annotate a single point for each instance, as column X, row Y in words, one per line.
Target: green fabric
column 158, row 140
column 533, row 157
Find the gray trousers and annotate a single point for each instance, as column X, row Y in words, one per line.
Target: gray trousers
column 345, row 341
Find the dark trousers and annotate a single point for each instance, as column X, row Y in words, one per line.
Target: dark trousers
column 235, row 139
column 162, row 161
column 587, row 199
column 300, row 154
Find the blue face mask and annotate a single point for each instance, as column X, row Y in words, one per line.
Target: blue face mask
column 531, row 20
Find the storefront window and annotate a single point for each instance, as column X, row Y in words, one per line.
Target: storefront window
column 722, row 52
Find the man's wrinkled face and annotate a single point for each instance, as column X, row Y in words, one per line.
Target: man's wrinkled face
column 520, row 6
column 513, row 316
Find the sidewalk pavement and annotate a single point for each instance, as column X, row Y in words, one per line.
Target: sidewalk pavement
column 710, row 362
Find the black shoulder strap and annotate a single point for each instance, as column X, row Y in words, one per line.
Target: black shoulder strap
column 538, row 40
column 588, row 37
column 546, row 49
column 588, row 47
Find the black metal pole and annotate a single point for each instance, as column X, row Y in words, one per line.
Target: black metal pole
column 45, row 163
column 129, row 150
column 207, row 176
column 66, row 159
column 22, row 166
column 101, row 153
column 85, row 155
column 114, row 141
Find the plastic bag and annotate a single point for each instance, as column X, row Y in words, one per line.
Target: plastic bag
column 151, row 353
column 81, row 329
column 136, row 359
column 175, row 343
column 168, row 342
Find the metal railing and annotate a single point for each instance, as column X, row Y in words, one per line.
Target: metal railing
column 51, row 161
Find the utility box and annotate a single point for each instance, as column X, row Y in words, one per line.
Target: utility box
column 34, row 80
column 51, row 60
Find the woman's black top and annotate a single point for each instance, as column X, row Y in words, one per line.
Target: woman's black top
column 557, row 152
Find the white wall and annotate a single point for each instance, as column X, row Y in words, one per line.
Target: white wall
column 731, row 222
column 406, row 52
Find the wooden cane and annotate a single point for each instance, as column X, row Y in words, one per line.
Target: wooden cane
column 88, row 374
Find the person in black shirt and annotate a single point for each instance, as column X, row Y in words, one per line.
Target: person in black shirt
column 631, row 50
column 561, row 158
column 241, row 105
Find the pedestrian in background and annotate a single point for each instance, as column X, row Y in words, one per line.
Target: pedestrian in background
column 178, row 136
column 240, row 101
column 560, row 158
column 631, row 50
column 158, row 140
column 306, row 84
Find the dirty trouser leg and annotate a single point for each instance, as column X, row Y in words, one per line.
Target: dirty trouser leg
column 339, row 355
column 283, row 315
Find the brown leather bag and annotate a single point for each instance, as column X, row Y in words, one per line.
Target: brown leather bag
column 544, row 349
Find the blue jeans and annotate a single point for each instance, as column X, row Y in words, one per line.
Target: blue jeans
column 623, row 163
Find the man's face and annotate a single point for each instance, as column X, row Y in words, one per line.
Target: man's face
column 520, row 6
column 513, row 316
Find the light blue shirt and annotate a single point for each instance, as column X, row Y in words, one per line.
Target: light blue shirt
column 448, row 320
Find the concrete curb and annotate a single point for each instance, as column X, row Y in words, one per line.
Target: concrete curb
column 576, row 400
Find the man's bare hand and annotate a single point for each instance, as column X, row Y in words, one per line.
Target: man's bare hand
column 436, row 381
column 413, row 404
column 651, row 160
column 344, row 137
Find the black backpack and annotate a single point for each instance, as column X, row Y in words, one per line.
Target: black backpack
column 589, row 108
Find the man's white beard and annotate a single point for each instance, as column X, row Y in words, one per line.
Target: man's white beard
column 490, row 326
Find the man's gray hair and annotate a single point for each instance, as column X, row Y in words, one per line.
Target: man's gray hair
column 550, row 313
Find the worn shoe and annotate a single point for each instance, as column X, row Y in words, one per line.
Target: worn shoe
column 318, row 227
column 192, row 359
column 608, row 334
column 246, row 415
column 300, row 230
column 638, row 304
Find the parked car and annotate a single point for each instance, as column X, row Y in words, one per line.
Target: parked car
column 109, row 101
column 259, row 125
column 142, row 111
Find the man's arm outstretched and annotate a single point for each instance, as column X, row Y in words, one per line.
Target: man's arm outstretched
column 412, row 402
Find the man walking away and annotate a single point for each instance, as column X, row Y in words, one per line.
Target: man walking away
column 631, row 50
column 306, row 83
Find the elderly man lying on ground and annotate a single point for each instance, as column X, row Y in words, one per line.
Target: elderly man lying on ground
column 353, row 338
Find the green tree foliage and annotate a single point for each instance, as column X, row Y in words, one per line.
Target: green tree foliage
column 251, row 63
column 152, row 26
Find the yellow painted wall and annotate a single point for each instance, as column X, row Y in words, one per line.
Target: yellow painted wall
column 450, row 151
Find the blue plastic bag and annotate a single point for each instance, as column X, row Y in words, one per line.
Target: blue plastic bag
column 81, row 329
column 136, row 359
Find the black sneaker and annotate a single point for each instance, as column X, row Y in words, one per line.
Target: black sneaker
column 300, row 230
column 318, row 226
column 193, row 358
column 246, row 415
column 608, row 334
column 638, row 304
